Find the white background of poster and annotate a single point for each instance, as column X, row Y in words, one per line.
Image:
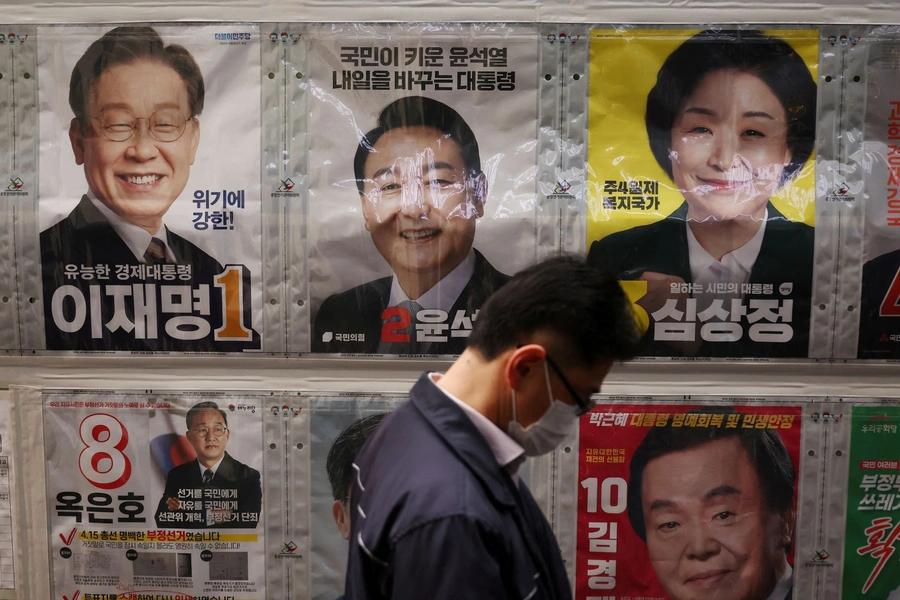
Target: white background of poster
column 228, row 155
column 342, row 254
column 64, row 447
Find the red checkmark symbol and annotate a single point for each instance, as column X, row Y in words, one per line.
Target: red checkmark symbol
column 67, row 540
column 75, row 597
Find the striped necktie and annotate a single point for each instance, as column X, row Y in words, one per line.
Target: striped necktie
column 156, row 252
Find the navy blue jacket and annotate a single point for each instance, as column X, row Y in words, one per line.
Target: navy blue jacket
column 434, row 516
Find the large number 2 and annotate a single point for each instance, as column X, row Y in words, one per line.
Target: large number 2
column 390, row 328
column 102, row 461
column 231, row 284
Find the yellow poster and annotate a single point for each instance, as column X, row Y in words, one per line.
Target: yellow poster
column 701, row 184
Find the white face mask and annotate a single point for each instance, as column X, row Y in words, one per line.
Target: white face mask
column 549, row 431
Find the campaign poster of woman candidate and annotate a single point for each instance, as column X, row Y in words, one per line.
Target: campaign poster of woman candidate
column 701, row 184
column 873, row 505
column 676, row 501
column 422, row 191
column 155, row 495
column 879, row 287
column 149, row 209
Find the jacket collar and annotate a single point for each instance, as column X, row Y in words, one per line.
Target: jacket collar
column 462, row 437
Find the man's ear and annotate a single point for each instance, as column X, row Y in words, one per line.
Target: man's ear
column 76, row 137
column 365, row 210
column 788, row 523
column 479, row 193
column 340, row 519
column 522, row 362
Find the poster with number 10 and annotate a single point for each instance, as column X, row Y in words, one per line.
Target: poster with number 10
column 681, row 502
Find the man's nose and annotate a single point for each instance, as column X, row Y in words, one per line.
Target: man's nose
column 142, row 145
column 414, row 201
column 701, row 544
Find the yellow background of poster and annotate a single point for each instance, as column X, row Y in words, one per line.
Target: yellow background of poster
column 623, row 70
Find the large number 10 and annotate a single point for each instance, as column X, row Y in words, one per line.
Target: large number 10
column 610, row 503
column 102, row 461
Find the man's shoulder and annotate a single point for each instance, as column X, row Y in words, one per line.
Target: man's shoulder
column 183, row 470
column 361, row 294
column 194, row 255
column 441, row 486
column 888, row 262
column 239, row 470
column 362, row 299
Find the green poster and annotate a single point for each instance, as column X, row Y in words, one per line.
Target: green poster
column 872, row 560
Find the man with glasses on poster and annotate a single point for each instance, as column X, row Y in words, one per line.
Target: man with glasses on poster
column 136, row 132
column 230, row 487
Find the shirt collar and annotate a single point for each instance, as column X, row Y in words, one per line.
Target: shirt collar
column 213, row 468
column 444, row 294
column 784, row 584
column 136, row 238
column 739, row 261
column 506, row 451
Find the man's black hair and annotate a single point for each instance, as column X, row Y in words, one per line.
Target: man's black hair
column 124, row 45
column 343, row 451
column 769, row 58
column 765, row 450
column 584, row 307
column 201, row 407
column 418, row 111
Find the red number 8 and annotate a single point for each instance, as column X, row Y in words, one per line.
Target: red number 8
column 102, row 462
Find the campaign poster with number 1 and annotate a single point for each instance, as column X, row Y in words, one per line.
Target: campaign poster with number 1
column 149, row 208
column 154, row 496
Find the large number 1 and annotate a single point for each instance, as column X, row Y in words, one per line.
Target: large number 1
column 102, row 461
column 231, row 284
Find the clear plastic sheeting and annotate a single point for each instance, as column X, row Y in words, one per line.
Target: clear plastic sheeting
column 737, row 179
column 423, row 153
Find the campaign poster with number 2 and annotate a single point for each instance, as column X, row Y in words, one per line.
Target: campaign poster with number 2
column 154, row 496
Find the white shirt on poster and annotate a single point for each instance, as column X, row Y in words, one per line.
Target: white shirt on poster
column 443, row 295
column 136, row 238
column 734, row 267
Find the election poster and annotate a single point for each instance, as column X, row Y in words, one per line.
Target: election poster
column 701, row 187
column 339, row 428
column 677, row 500
column 422, row 187
column 879, row 283
column 155, row 495
column 7, row 514
column 871, row 570
column 149, row 188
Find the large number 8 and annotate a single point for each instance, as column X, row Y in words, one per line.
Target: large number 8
column 102, row 461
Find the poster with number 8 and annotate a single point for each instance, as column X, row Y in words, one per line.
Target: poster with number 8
column 685, row 502
column 144, row 492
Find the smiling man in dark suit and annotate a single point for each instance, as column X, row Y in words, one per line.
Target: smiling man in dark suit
column 422, row 190
column 232, row 486
column 136, row 132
